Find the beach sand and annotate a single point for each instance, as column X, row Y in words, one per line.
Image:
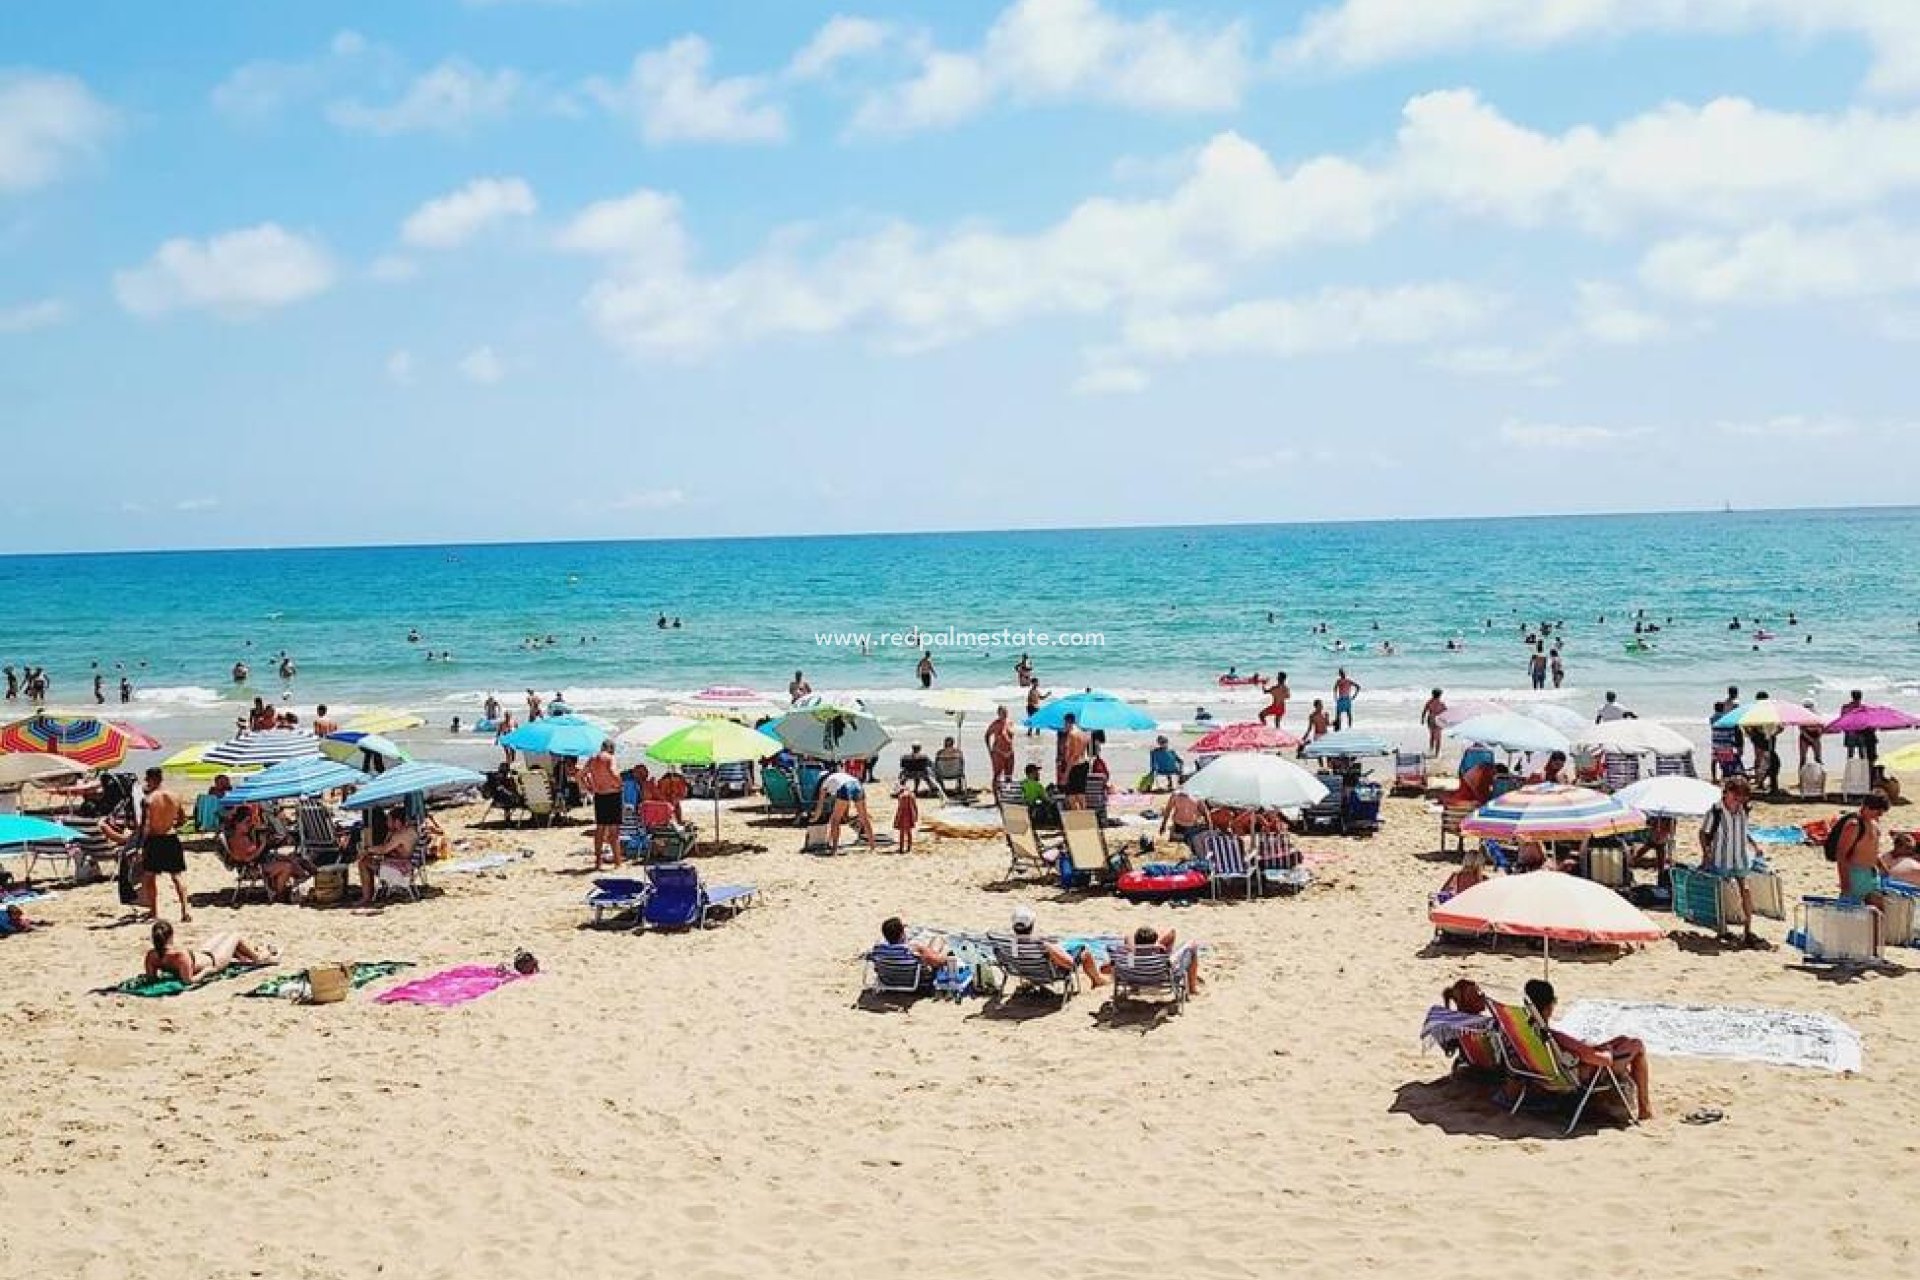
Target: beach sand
column 715, row 1104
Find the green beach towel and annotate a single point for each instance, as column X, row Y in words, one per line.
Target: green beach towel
column 363, row 973
column 168, row 984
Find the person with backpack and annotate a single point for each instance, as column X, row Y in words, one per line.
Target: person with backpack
column 1727, row 848
column 1853, row 846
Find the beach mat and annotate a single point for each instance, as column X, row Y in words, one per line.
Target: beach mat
column 1777, row 1037
column 166, row 984
column 468, row 865
column 450, row 987
column 363, row 973
column 1778, row 835
column 21, row 897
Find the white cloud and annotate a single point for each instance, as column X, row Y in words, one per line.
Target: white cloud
column 25, row 317
column 49, row 123
column 840, row 39
column 457, row 217
column 256, row 92
column 449, row 98
column 1499, row 360
column 400, row 367
column 1069, row 50
column 1111, row 380
column 1547, row 435
column 669, row 95
column 1608, row 315
column 1781, row 263
column 235, row 274
column 196, row 504
column 393, row 268
column 1330, row 320
column 643, row 227
column 649, row 500
column 481, row 365
column 1364, row 33
column 1790, row 426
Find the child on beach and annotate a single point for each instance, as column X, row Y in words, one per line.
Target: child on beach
column 906, row 816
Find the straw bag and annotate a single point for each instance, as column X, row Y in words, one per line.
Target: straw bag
column 329, row 886
column 328, row 983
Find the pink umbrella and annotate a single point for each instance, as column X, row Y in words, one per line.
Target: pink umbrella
column 1244, row 737
column 1862, row 719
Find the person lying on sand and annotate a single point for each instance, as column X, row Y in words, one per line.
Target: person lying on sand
column 14, row 920
column 216, row 954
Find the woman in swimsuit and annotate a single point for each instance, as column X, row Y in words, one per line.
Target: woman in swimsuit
column 220, row 951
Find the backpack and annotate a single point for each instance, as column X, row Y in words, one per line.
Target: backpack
column 1832, row 843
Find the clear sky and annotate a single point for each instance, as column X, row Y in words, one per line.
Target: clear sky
column 368, row 272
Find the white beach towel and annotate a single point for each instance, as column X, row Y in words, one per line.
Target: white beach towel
column 1781, row 1037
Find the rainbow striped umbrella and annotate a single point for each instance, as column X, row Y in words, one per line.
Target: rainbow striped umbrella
column 1550, row 811
column 97, row 744
column 1770, row 713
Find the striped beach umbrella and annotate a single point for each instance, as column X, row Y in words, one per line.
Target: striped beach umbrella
column 1770, row 713
column 1350, row 744
column 1549, row 811
column 97, row 744
column 191, row 762
column 306, row 776
column 265, row 746
column 416, row 777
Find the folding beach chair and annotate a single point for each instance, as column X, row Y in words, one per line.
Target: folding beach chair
column 536, row 795
column 1451, row 816
column 1360, row 810
column 1006, row 792
column 667, row 840
column 893, row 969
column 1026, row 856
column 1087, row 856
column 1226, row 860
column 1025, row 960
column 616, row 895
column 244, row 873
column 1530, row 1056
column 319, row 838
column 781, row 791
column 1619, row 769
column 1410, row 771
column 1897, row 915
column 635, row 842
column 1701, row 897
column 1277, row 862
column 1331, row 813
column 950, row 776
column 1838, row 932
column 1149, row 969
column 679, row 900
column 1605, row 864
column 1095, row 799
column 1679, row 765
column 404, row 875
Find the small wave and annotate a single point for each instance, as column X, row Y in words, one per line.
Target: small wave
column 187, row 695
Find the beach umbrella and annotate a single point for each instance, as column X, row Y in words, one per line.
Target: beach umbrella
column 1510, row 731
column 306, row 776
column 265, row 747
column 650, row 730
column 1669, row 797
column 415, row 777
column 1250, row 780
column 728, row 702
column 1349, row 744
column 1549, row 905
column 349, row 746
column 830, row 734
column 1866, row 718
column 1550, row 811
column 1552, row 714
column 36, row 766
column 85, row 740
column 1632, row 737
column 1092, row 710
column 192, row 762
column 558, row 736
column 1243, row 737
column 1770, row 713
column 18, row 829
column 710, row 743
column 960, row 703
column 1468, row 708
column 1902, row 760
column 384, row 720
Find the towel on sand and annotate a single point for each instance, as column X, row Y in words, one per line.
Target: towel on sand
column 363, row 973
column 450, row 987
column 167, row 984
column 486, row 862
column 1781, row 1037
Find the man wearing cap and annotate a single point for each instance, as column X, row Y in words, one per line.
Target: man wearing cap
column 1024, row 922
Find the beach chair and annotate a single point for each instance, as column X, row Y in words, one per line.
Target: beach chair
column 735, row 778
column 1451, row 816
column 1226, row 860
column 1529, row 1055
column 950, row 776
column 1897, row 903
column 1025, row 960
column 1700, row 897
column 1149, row 969
column 1477, row 1050
column 1026, row 856
column 1278, row 863
column 1331, row 813
column 536, row 795
column 1360, row 810
column 811, row 776
column 504, row 792
column 1095, row 800
column 618, row 895
column 1410, row 771
column 667, row 840
column 635, row 840
column 1006, row 792
column 1856, row 779
column 894, row 970
column 1087, row 857
column 1838, row 932
column 319, row 838
column 782, row 792
column 1679, row 765
column 1619, row 769
column 679, row 900
column 403, row 875
column 1605, row 864
column 244, row 873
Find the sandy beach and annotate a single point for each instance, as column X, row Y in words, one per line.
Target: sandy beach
column 716, row 1104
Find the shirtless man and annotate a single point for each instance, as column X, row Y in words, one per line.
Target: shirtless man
column 1184, row 815
column 1277, row 697
column 1345, row 689
column 1074, row 763
column 1856, row 850
column 600, row 778
column 798, row 688
column 1000, row 746
column 924, row 669
column 160, row 851
column 323, row 723
column 1316, row 724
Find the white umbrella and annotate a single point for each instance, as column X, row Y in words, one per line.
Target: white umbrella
column 649, row 730
column 17, row 767
column 1670, row 797
column 1251, row 780
column 1633, row 737
column 960, row 703
column 1511, row 732
column 1565, row 719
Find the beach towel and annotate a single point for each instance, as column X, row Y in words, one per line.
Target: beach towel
column 451, row 987
column 466, row 865
column 1780, row 1037
column 21, row 897
column 167, row 984
column 1444, row 1027
column 363, row 973
column 1778, row 835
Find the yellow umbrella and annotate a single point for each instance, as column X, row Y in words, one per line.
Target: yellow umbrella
column 191, row 762
column 384, row 720
column 1907, row 757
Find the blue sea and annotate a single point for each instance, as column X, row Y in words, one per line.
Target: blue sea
column 1171, row 609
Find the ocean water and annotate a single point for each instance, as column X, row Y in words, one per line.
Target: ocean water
column 1172, row 608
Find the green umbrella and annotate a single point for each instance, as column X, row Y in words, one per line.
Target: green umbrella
column 707, row 743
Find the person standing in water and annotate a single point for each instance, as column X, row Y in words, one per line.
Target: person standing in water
column 924, row 669
column 1345, row 689
column 1277, row 697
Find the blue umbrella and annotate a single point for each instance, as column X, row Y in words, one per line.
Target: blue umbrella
column 558, row 736
column 290, row 778
column 1349, row 744
column 17, row 829
column 1091, row 710
column 414, row 778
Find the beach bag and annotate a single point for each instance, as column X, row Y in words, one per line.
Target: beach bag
column 329, row 886
column 127, row 878
column 1832, row 843
column 328, row 983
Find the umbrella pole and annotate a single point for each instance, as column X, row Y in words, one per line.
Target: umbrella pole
column 1546, row 956
column 716, row 804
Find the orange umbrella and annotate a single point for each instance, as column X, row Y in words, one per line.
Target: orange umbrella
column 1549, row 905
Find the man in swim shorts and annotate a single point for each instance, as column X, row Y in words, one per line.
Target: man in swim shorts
column 1345, row 688
column 600, row 778
column 1277, row 697
column 161, row 853
column 1856, row 850
column 1074, row 762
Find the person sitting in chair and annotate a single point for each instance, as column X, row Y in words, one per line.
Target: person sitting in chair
column 1621, row 1051
column 396, row 847
column 932, row 953
column 948, row 761
column 1148, row 936
column 1164, row 762
column 1473, row 870
column 1063, row 961
column 916, row 771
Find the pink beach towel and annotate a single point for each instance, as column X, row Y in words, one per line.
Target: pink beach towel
column 455, row 986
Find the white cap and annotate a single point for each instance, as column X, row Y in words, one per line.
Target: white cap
column 1023, row 917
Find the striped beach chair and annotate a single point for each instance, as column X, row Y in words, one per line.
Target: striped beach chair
column 1143, row 969
column 1279, row 863
column 1226, row 860
column 1619, row 769
column 1678, row 765
column 894, row 970
column 1025, row 960
column 1529, row 1055
column 1835, row 931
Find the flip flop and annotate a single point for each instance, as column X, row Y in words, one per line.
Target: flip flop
column 1705, row 1115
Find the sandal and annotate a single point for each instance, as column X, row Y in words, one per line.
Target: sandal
column 1705, row 1115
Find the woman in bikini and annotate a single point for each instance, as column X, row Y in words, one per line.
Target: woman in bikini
column 218, row 952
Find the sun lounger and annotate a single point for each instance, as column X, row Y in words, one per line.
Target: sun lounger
column 1141, row 969
column 1530, row 1056
column 1087, row 855
column 1226, row 860
column 893, row 969
column 1026, row 961
column 618, row 895
column 781, row 791
column 679, row 900
column 1838, row 932
column 1026, row 856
